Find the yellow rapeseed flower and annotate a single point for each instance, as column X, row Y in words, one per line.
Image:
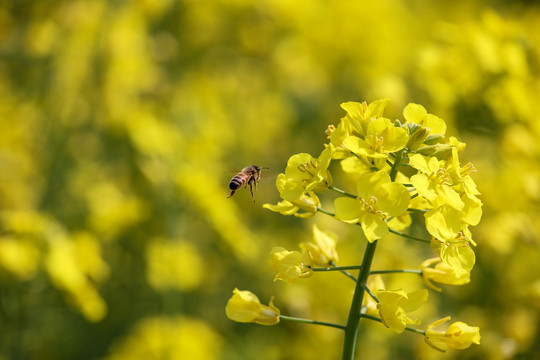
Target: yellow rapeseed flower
column 244, row 306
column 377, row 199
column 458, row 335
column 441, row 273
column 291, row 265
column 394, row 304
column 322, row 248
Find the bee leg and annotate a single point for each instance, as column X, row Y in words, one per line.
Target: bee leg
column 232, row 193
column 251, row 189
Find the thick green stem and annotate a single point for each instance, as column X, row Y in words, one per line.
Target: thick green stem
column 355, row 312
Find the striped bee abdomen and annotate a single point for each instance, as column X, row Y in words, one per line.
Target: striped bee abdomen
column 238, row 181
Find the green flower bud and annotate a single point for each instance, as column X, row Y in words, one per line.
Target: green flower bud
column 416, row 139
column 433, row 139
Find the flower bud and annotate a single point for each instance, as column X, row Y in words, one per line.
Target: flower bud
column 433, row 139
column 440, row 151
column 417, row 138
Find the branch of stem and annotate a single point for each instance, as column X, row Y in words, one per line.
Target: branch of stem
column 408, row 236
column 309, row 321
column 423, row 332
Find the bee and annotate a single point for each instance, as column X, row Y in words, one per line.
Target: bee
column 250, row 175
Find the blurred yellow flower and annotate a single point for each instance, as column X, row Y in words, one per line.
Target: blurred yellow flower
column 18, row 256
column 75, row 265
column 112, row 208
column 458, row 335
column 244, row 306
column 162, row 337
column 394, row 304
column 291, row 265
column 173, row 265
column 322, row 248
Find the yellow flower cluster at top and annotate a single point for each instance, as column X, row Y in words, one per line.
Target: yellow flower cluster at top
column 368, row 144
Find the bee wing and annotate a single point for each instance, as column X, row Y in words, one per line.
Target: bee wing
column 269, row 175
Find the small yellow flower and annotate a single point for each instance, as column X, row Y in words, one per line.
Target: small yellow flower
column 308, row 202
column 381, row 139
column 378, row 198
column 417, row 114
column 291, row 265
column 458, row 335
column 442, row 273
column 359, row 114
column 304, row 173
column 433, row 182
column 394, row 304
column 322, row 248
column 245, row 307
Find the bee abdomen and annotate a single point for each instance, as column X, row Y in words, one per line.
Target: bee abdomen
column 236, row 182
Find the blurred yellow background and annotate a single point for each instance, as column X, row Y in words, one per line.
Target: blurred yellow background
column 122, row 123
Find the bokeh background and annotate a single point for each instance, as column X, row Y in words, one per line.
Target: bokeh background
column 122, row 123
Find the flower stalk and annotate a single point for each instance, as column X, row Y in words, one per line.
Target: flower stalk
column 355, row 312
column 309, row 321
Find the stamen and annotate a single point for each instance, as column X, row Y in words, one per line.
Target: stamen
column 375, row 142
column 443, row 176
column 467, row 169
column 331, row 128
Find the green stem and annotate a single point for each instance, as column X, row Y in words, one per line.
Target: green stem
column 423, row 332
column 408, row 271
column 408, row 236
column 325, row 212
column 355, row 312
column 397, row 162
column 339, row 268
column 368, row 290
column 308, row 321
column 342, row 192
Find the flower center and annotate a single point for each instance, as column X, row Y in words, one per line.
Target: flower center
column 371, row 206
column 307, row 167
column 460, row 240
column 375, row 142
column 442, row 177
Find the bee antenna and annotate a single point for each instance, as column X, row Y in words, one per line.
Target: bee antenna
column 265, row 168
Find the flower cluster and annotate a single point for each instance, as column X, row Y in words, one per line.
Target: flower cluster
column 401, row 167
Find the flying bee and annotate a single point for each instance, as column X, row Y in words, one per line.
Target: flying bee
column 250, row 175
